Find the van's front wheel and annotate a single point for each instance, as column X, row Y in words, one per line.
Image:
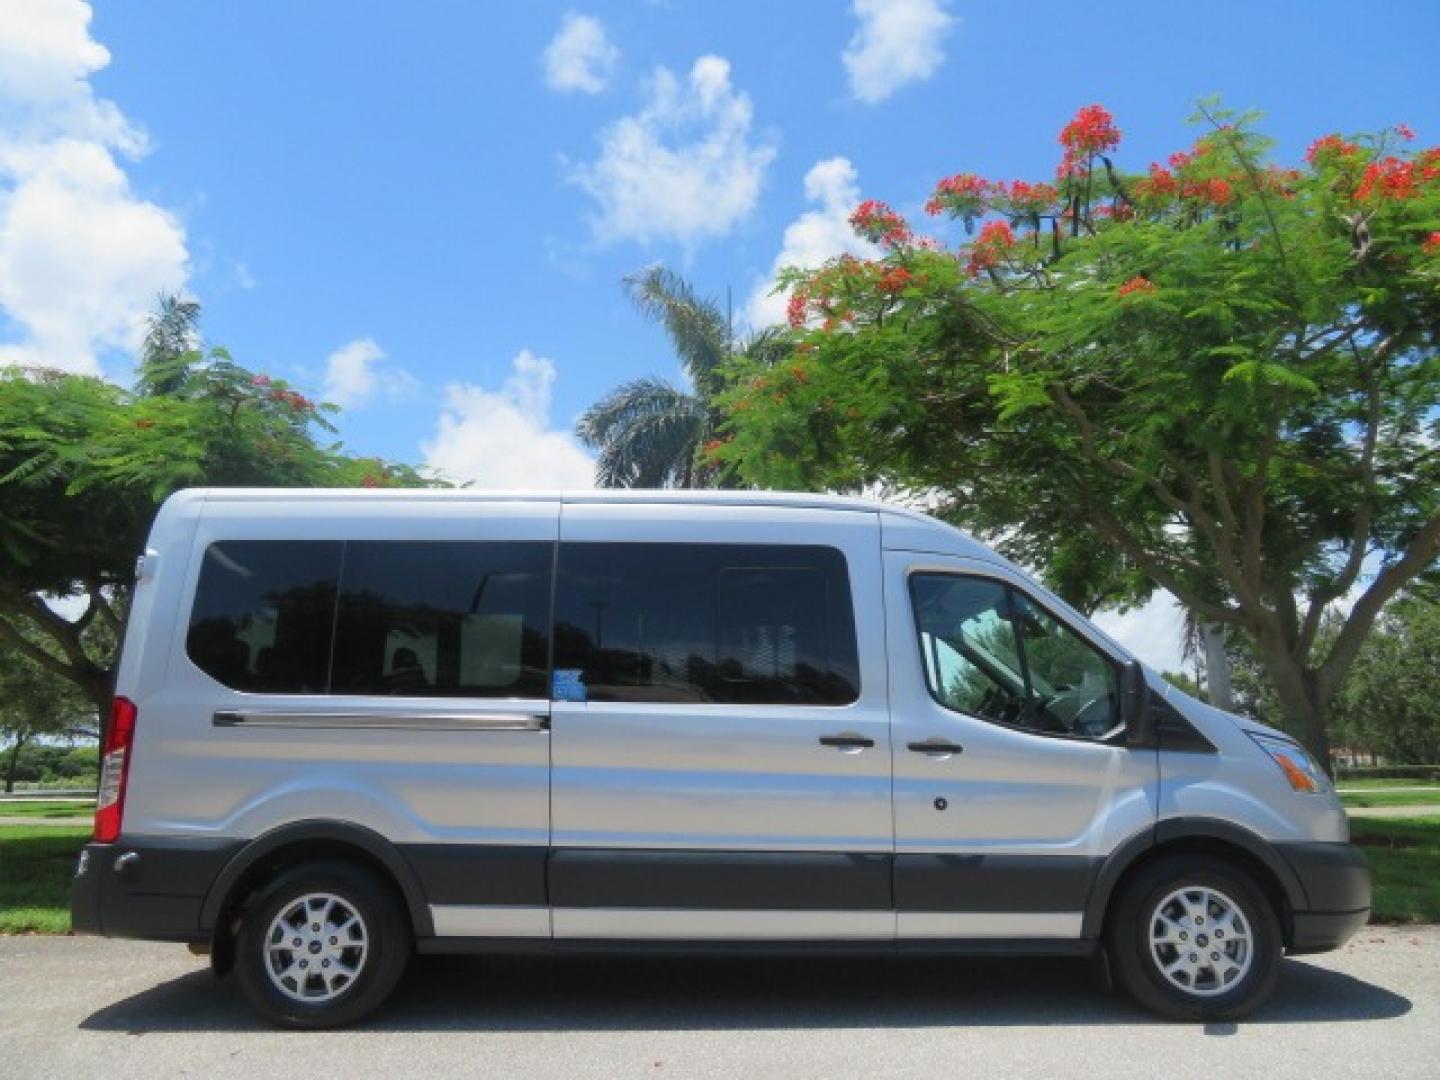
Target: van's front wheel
column 321, row 946
column 1194, row 938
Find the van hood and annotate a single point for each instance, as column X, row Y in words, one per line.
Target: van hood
column 1207, row 714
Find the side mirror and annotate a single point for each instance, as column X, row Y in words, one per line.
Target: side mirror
column 1135, row 711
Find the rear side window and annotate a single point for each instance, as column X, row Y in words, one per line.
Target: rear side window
column 443, row 619
column 715, row 623
column 264, row 614
column 414, row 619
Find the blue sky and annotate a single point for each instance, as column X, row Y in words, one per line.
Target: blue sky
column 409, row 207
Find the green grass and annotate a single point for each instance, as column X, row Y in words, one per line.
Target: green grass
column 1393, row 798
column 36, row 864
column 1360, row 782
column 1405, row 855
column 41, row 808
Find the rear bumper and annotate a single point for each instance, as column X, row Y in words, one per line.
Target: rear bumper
column 1336, row 882
column 152, row 890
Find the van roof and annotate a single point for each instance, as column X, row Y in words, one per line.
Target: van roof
column 904, row 527
column 796, row 500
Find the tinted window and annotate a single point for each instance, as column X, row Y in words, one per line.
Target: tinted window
column 721, row 623
column 443, row 619
column 1079, row 686
column 264, row 613
column 1045, row 678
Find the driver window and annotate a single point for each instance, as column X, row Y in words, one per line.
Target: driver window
column 1079, row 685
column 1048, row 679
column 968, row 641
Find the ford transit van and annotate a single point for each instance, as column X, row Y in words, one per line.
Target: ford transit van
column 350, row 726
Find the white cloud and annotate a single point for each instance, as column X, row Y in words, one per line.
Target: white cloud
column 898, row 42
column 580, row 56
column 816, row 235
column 1151, row 631
column 502, row 439
column 684, row 168
column 81, row 256
column 355, row 375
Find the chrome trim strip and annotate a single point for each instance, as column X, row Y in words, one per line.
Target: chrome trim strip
column 684, row 924
column 481, row 920
column 408, row 721
column 635, row 924
column 989, row 924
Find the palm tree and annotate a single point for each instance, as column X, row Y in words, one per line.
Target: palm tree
column 651, row 433
column 171, row 346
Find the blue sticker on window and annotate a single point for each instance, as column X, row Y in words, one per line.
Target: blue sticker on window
column 567, row 685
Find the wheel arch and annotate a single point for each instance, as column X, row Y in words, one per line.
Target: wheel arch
column 1207, row 836
column 301, row 841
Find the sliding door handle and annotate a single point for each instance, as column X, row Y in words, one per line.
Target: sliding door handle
column 936, row 746
column 847, row 741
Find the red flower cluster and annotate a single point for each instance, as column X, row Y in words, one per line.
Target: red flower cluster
column 1405, row 131
column 1329, row 148
column 370, row 480
column 1431, row 244
column 963, row 194
column 879, row 224
column 1215, row 191
column 1026, row 198
column 298, row 402
column 797, row 309
column 1389, row 178
column 894, row 280
column 994, row 241
column 1429, row 164
column 1138, row 284
column 1091, row 132
column 1160, row 183
column 260, row 380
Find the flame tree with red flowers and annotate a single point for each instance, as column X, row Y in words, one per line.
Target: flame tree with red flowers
column 84, row 463
column 1214, row 374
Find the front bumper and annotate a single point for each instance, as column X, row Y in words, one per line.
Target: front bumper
column 153, row 890
column 1336, row 882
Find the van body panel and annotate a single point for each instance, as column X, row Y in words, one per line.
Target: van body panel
column 405, row 768
column 723, row 780
column 1240, row 785
column 1008, row 792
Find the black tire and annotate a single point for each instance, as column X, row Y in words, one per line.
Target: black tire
column 388, row 943
column 1214, row 998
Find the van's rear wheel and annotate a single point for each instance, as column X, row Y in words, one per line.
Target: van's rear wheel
column 1194, row 938
column 322, row 945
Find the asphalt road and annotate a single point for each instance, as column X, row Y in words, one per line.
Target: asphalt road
column 79, row 1008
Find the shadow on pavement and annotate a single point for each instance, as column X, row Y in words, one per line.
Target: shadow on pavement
column 615, row 993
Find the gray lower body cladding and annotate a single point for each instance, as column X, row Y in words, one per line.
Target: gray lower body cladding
column 157, row 888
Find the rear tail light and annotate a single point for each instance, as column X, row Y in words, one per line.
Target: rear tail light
column 114, row 768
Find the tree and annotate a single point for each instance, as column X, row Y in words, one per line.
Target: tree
column 84, row 464
column 34, row 703
column 650, row 433
column 1390, row 701
column 1218, row 376
column 171, row 345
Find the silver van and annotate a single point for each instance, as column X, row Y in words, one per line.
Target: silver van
column 350, row 726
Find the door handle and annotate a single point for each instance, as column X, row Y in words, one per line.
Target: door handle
column 847, row 742
column 936, row 746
